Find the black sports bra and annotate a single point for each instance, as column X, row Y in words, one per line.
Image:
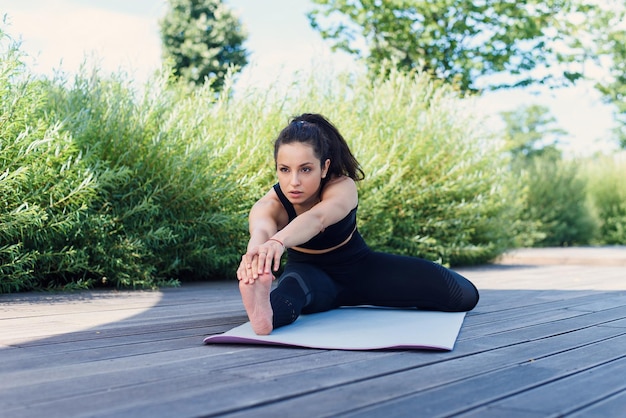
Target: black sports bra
column 332, row 236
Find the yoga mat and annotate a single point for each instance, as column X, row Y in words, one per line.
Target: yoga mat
column 358, row 328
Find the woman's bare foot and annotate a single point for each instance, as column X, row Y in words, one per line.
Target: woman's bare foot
column 256, row 300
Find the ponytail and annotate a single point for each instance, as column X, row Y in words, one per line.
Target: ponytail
column 326, row 141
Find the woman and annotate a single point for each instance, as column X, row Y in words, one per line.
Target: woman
column 311, row 214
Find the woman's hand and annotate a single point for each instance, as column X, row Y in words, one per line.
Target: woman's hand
column 260, row 260
column 269, row 255
column 244, row 271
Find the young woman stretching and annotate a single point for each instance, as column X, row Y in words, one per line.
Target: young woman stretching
column 311, row 214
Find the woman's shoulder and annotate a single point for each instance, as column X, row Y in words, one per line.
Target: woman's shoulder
column 342, row 188
column 270, row 200
column 270, row 205
column 342, row 183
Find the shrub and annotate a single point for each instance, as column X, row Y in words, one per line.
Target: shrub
column 166, row 199
column 607, row 190
column 103, row 185
column 45, row 184
column 557, row 198
column 438, row 185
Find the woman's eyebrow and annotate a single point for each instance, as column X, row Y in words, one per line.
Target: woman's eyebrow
column 301, row 165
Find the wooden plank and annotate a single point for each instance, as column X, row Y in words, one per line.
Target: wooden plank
column 480, row 390
column 535, row 330
column 516, row 333
column 179, row 381
column 534, row 301
column 262, row 382
column 613, row 406
column 51, row 321
column 428, row 377
column 109, row 349
column 111, row 337
column 550, row 277
column 566, row 395
column 49, row 388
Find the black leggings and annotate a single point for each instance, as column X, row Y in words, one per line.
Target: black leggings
column 355, row 275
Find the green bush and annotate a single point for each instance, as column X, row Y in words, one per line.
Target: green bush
column 45, row 185
column 557, row 198
column 104, row 186
column 167, row 193
column 607, row 190
column 437, row 183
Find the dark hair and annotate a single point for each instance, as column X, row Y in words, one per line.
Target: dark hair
column 326, row 141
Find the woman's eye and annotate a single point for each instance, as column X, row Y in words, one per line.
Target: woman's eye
column 306, row 169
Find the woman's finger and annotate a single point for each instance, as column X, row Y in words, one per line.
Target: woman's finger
column 271, row 258
column 254, row 267
column 247, row 259
column 277, row 256
column 265, row 261
column 244, row 272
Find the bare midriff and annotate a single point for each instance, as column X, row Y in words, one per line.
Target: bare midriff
column 325, row 250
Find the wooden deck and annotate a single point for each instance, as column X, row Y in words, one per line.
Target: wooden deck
column 545, row 340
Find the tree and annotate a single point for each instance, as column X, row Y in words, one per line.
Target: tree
column 610, row 41
column 531, row 133
column 555, row 199
column 204, row 40
column 458, row 41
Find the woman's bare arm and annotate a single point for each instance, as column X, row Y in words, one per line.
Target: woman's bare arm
column 264, row 219
column 338, row 199
column 268, row 241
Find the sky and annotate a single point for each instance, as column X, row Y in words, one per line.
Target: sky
column 123, row 35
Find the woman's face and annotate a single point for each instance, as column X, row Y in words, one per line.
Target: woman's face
column 300, row 173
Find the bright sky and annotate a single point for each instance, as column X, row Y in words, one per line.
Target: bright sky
column 124, row 34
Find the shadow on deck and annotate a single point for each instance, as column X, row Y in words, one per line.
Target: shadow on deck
column 545, row 340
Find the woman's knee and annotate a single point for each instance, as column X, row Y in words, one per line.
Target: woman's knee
column 319, row 289
column 469, row 295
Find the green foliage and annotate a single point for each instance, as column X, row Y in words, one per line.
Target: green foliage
column 530, row 133
column 436, row 185
column 607, row 190
column 610, row 42
column 105, row 187
column 100, row 187
column 166, row 199
column 458, row 40
column 557, row 198
column 44, row 183
column 203, row 40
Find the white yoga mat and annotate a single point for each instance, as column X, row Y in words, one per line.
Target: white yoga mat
column 358, row 328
